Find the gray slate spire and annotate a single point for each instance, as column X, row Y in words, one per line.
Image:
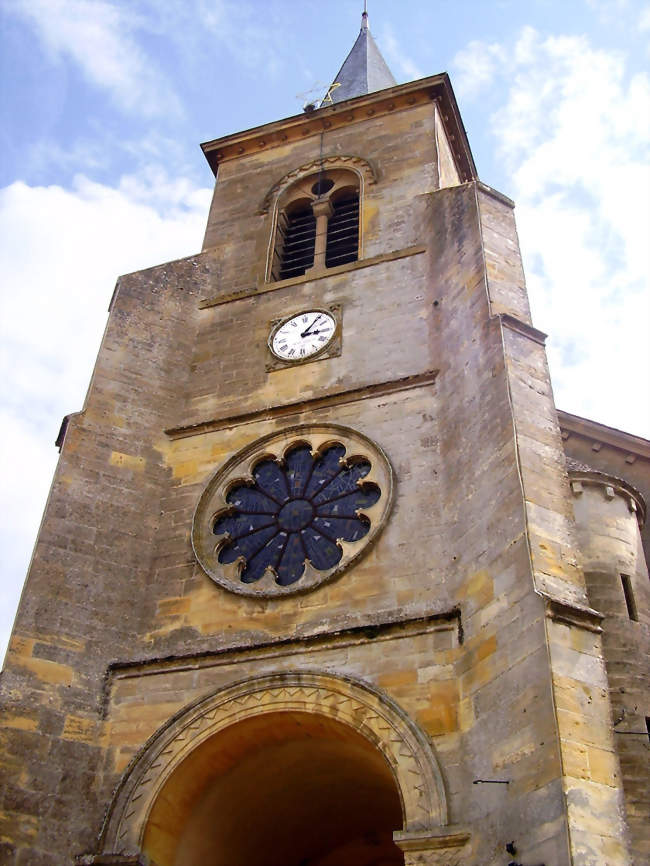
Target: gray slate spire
column 363, row 71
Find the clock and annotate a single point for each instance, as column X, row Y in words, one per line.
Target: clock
column 302, row 335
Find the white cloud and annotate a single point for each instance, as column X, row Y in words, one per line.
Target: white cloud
column 608, row 7
column 398, row 60
column 199, row 28
column 477, row 66
column 574, row 135
column 100, row 37
column 111, row 42
column 61, row 251
column 644, row 19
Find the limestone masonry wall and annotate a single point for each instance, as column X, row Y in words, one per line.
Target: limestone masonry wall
column 471, row 611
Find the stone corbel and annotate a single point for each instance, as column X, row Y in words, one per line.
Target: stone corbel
column 437, row 846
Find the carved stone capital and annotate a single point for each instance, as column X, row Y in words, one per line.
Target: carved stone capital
column 322, row 207
column 436, row 846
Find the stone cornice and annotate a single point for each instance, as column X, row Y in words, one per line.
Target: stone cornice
column 595, row 432
column 612, row 486
column 371, row 105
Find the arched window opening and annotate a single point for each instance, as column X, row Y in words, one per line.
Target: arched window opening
column 317, row 224
column 343, row 229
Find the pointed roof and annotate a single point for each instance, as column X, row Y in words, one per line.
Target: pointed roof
column 364, row 69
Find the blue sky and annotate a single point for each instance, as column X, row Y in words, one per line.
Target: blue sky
column 104, row 103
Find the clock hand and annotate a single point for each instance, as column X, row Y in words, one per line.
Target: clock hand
column 309, row 327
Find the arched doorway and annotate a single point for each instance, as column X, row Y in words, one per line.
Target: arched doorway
column 303, row 763
column 278, row 789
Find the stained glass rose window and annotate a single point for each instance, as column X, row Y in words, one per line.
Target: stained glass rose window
column 292, row 510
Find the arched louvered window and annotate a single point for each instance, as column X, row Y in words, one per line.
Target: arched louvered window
column 317, row 225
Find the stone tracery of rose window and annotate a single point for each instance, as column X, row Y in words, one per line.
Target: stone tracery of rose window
column 298, row 513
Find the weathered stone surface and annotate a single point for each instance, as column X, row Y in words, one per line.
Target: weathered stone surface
column 471, row 613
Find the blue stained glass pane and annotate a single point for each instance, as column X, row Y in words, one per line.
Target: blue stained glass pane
column 292, row 562
column 327, row 466
column 248, row 545
column 251, row 501
column 322, row 552
column 346, row 506
column 271, row 481
column 344, row 482
column 295, row 511
column 267, row 556
column 349, row 529
column 299, row 468
column 237, row 525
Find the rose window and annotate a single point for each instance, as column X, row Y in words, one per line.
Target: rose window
column 302, row 511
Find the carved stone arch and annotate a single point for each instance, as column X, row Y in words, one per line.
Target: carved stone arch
column 372, row 714
column 361, row 167
column 274, row 199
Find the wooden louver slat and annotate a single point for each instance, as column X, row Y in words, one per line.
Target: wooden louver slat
column 343, row 232
column 297, row 248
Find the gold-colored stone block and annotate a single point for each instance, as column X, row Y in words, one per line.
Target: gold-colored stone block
column 48, row 671
column 22, row 723
column 441, row 715
column 603, row 766
column 128, row 461
column 80, row 729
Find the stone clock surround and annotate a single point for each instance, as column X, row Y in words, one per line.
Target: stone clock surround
column 331, row 349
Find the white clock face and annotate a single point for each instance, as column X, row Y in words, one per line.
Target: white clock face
column 303, row 335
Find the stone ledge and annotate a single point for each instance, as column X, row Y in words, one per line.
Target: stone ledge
column 271, row 412
column 572, row 614
column 264, row 288
column 435, row 846
column 523, row 328
column 110, row 860
column 388, row 625
column 494, row 193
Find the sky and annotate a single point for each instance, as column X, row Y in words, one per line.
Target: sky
column 103, row 104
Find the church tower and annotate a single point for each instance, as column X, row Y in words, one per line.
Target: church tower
column 308, row 590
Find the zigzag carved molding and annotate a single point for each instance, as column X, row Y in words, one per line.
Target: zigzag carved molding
column 366, row 710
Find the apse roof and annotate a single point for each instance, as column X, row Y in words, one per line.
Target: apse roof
column 364, row 69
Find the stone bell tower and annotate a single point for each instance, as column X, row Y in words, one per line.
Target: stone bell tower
column 307, row 590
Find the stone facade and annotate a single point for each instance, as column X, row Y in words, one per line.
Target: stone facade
column 465, row 651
